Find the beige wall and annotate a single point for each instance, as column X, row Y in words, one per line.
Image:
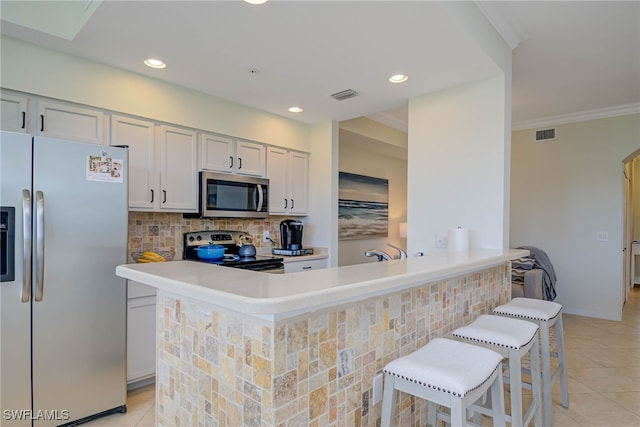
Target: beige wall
column 363, row 156
column 562, row 193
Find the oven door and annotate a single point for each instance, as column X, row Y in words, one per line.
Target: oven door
column 231, row 196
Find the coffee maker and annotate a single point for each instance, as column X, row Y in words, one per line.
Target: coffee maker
column 291, row 235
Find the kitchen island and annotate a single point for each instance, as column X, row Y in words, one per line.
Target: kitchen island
column 239, row 347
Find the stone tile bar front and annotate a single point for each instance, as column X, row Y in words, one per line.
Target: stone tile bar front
column 220, row 364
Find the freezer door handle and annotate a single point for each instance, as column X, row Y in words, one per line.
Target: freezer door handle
column 39, row 245
column 26, row 250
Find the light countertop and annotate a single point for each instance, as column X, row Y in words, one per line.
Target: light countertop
column 277, row 296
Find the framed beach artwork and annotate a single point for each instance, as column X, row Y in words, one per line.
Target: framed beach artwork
column 363, row 207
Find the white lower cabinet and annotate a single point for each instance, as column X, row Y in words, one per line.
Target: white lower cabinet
column 141, row 334
column 312, row 264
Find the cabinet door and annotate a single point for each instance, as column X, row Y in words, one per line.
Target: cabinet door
column 277, row 172
column 178, row 170
column 141, row 338
column 251, row 158
column 216, row 153
column 70, row 123
column 14, row 112
column 139, row 135
column 298, row 182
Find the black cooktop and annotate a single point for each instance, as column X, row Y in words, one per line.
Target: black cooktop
column 229, row 240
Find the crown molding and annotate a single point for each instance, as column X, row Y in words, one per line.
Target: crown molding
column 600, row 113
column 506, row 24
column 388, row 120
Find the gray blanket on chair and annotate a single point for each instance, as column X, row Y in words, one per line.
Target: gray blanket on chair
column 542, row 261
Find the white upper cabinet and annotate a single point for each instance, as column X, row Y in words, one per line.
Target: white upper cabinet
column 251, row 158
column 162, row 165
column 178, row 169
column 139, row 135
column 69, row 122
column 288, row 173
column 298, row 182
column 13, row 112
column 224, row 154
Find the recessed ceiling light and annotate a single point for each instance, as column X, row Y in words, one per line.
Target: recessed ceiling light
column 154, row 63
column 255, row 1
column 398, row 78
column 296, row 110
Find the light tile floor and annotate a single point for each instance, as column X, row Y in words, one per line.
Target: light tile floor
column 603, row 368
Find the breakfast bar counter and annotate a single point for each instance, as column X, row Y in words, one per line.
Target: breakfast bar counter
column 239, row 347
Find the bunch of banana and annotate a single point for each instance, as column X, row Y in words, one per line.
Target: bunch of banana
column 151, row 257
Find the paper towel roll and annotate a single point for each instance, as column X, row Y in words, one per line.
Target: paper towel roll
column 458, row 240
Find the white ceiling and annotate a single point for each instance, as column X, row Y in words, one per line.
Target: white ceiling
column 577, row 56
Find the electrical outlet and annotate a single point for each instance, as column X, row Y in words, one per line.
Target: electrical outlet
column 441, row 241
column 377, row 389
column 265, row 236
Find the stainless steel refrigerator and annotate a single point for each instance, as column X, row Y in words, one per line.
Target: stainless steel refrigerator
column 62, row 308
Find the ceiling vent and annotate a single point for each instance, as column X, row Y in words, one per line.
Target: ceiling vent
column 345, row 94
column 546, row 135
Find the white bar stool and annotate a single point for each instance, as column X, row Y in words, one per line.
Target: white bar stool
column 545, row 314
column 513, row 339
column 449, row 373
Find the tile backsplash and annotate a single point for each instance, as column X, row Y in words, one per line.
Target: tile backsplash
column 162, row 232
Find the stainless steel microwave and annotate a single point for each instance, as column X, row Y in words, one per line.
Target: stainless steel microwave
column 233, row 196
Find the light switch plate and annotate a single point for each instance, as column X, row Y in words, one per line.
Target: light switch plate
column 441, row 240
column 265, row 236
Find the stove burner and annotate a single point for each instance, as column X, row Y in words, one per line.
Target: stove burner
column 228, row 239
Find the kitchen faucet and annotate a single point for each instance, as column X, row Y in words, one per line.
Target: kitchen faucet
column 382, row 256
column 403, row 254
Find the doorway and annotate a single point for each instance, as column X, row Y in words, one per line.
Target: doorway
column 631, row 222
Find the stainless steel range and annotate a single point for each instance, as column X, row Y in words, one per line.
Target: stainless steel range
column 230, row 240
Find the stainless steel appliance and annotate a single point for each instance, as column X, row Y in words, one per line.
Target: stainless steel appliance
column 230, row 240
column 232, row 196
column 63, row 313
column 291, row 234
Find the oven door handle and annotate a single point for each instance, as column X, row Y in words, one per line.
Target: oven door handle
column 260, row 198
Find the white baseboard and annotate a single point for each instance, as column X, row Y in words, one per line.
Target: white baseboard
column 596, row 314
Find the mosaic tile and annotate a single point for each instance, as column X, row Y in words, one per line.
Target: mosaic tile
column 220, row 368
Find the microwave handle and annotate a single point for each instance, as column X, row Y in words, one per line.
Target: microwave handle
column 260, row 197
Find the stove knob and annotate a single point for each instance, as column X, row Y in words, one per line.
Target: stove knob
column 190, row 238
column 199, row 238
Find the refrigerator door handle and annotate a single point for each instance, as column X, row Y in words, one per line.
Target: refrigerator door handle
column 26, row 232
column 39, row 245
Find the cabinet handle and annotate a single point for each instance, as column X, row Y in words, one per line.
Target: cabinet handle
column 41, row 122
column 239, row 162
column 24, row 119
column 285, row 203
column 164, row 196
column 292, row 204
column 231, row 159
column 152, row 196
column 307, row 267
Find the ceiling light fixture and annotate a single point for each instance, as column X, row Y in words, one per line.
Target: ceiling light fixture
column 255, row 1
column 154, row 63
column 398, row 78
column 296, row 110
